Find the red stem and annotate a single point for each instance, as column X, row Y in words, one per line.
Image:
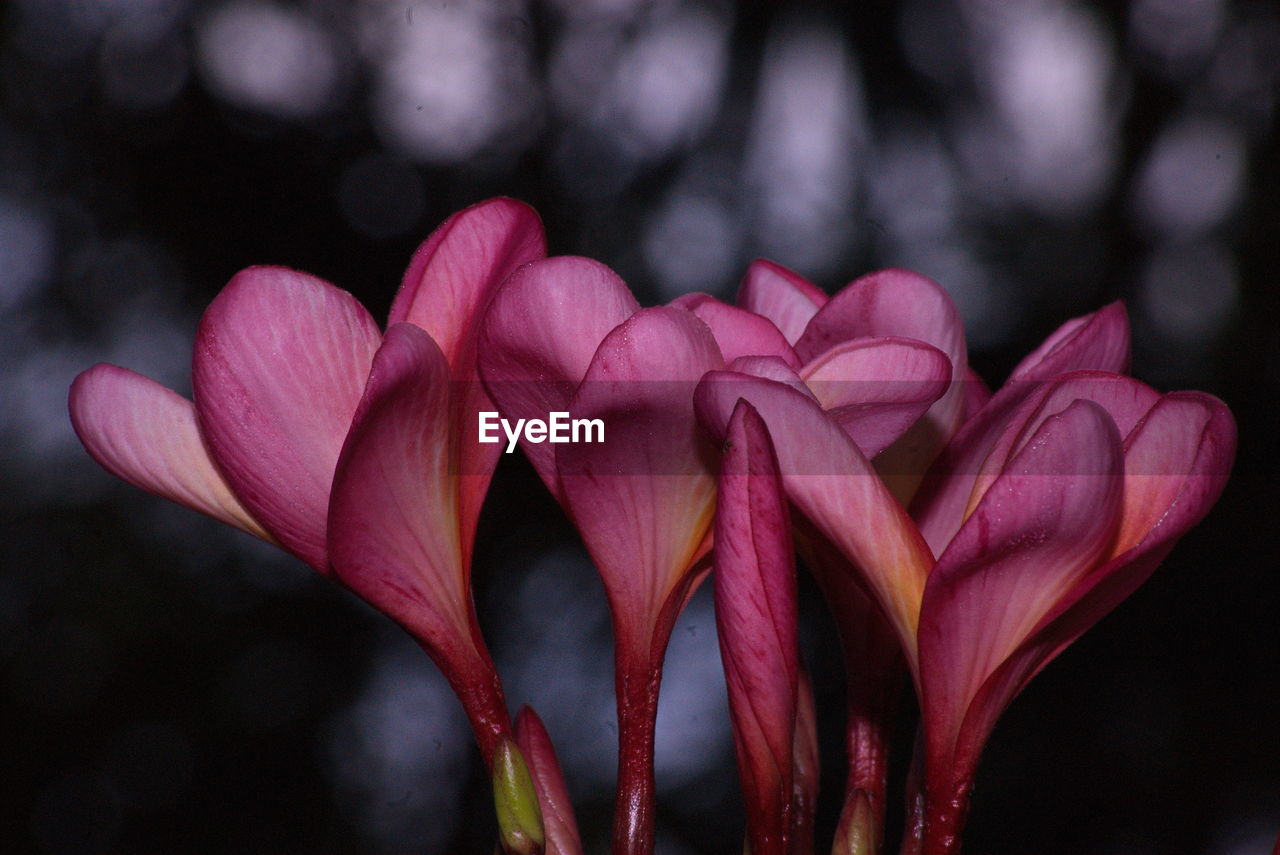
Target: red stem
column 637, row 685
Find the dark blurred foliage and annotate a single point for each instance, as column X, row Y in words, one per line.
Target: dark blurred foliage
column 173, row 687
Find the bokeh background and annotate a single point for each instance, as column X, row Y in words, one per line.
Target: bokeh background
column 170, row 686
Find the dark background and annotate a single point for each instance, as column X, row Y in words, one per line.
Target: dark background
column 170, row 686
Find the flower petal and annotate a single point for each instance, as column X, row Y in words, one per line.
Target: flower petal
column 558, row 822
column 394, row 533
column 786, row 298
column 446, row 290
column 643, row 498
column 877, row 388
column 976, row 456
column 832, row 484
column 455, row 272
column 280, row 364
column 1041, row 527
column 539, row 336
column 147, row 434
column 738, row 332
column 1097, row 341
column 902, row 304
column 755, row 593
column 1176, row 464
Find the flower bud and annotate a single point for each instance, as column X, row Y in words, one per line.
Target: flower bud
column 516, row 802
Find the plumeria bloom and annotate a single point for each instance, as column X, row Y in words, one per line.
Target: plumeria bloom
column 1053, row 503
column 351, row 450
column 566, row 335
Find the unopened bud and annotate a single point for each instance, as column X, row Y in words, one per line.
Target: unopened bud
column 516, row 802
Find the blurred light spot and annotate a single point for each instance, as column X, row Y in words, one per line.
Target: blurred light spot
column 1191, row 179
column 151, row 763
column 400, row 755
column 381, row 196
column 913, row 185
column 454, row 79
column 691, row 244
column 557, row 657
column 75, row 813
column 142, row 76
column 1050, row 70
column 693, row 735
column 272, row 683
column 26, row 250
column 667, row 84
column 1190, row 292
column 266, row 57
column 806, row 135
column 1176, row 32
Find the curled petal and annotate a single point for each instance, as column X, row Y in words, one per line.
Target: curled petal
column 756, row 623
column 539, row 336
column 558, row 822
column 1098, row 341
column 455, row 272
column 280, row 364
column 147, row 434
column 786, row 298
column 977, row 454
column 643, row 498
column 831, row 482
column 394, row 534
column 1041, row 527
column 738, row 332
column 877, row 388
column 902, row 304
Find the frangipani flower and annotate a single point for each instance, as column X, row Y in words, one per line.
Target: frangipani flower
column 1079, row 490
column 565, row 335
column 294, row 385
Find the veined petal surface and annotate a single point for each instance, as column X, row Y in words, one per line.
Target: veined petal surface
column 738, row 332
column 643, row 498
column 831, row 482
column 755, row 595
column 539, row 336
column 280, row 364
column 784, row 297
column 147, row 434
column 1042, row 527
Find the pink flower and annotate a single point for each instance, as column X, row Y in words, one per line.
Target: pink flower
column 354, row 452
column 1053, row 503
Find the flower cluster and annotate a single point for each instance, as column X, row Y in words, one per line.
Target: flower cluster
column 962, row 538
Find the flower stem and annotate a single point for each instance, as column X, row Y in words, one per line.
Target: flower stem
column 633, row 819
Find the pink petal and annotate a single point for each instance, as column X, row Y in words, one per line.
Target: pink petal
column 1186, row 442
column 902, row 304
column 1098, row 341
column 553, row 796
column 147, row 435
column 539, row 336
column 976, row 395
column 738, row 332
column 978, row 453
column 280, row 364
column 877, row 388
column 1041, row 527
column 786, row 298
column 394, row 534
column 832, row 484
column 643, row 498
column 771, row 368
column 756, row 622
column 456, row 271
column 446, row 290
